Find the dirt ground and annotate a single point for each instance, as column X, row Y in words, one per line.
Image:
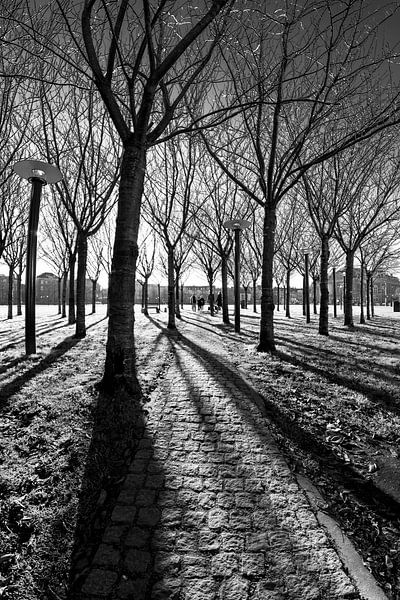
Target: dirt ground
column 333, row 403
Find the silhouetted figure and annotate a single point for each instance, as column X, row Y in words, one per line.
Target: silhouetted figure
column 219, row 301
column 193, row 301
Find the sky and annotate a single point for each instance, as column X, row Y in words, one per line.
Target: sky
column 390, row 35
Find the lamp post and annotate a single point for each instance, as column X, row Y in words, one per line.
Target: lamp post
column 306, row 285
column 38, row 173
column 237, row 225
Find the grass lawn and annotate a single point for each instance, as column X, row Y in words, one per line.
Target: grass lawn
column 333, row 403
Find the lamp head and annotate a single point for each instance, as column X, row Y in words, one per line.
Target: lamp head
column 37, row 169
column 237, row 224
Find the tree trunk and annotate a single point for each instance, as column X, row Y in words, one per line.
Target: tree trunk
column 80, row 329
column 142, row 295
column 10, row 292
column 372, row 297
column 182, row 296
column 304, row 295
column 267, row 338
column 19, row 292
column 171, row 290
column 348, row 301
column 64, row 296
column 362, row 317
column 334, row 293
column 224, row 277
column 284, row 297
column 324, row 289
column 146, row 295
column 277, row 297
column 315, row 295
column 287, row 294
column 246, row 295
column 177, row 296
column 94, row 286
column 211, row 294
column 368, row 295
column 119, row 370
column 71, row 291
column 59, row 283
column 255, row 295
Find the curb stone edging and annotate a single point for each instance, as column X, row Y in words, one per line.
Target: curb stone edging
column 351, row 559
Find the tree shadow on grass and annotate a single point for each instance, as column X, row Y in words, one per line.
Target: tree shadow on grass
column 345, row 372
column 14, row 386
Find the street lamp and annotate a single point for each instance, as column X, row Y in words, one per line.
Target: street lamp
column 38, row 173
column 306, row 285
column 237, row 225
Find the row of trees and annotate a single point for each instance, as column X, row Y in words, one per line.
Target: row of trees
column 283, row 97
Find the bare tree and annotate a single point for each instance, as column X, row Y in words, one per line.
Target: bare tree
column 13, row 255
column 222, row 202
column 374, row 202
column 169, row 194
column 79, row 138
column 142, row 78
column 379, row 252
column 305, row 70
column 94, row 264
column 147, row 251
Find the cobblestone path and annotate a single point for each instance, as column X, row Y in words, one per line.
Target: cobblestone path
column 210, row 509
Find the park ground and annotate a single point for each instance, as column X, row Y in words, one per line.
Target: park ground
column 333, row 407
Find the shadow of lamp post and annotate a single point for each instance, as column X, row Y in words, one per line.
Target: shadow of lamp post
column 237, row 225
column 38, row 173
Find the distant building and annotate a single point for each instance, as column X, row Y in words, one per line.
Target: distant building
column 4, row 290
column 385, row 287
column 46, row 290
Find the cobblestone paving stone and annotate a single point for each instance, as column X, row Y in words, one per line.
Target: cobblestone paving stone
column 209, row 509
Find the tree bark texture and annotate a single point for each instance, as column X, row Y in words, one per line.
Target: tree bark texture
column 315, row 296
column 10, row 292
column 119, row 369
column 371, row 287
column 287, row 303
column 348, row 301
column 267, row 342
column 80, row 329
column 255, row 295
column 171, row 290
column 64, row 296
column 362, row 316
column 59, row 284
column 211, row 294
column 324, row 289
column 368, row 295
column 71, row 291
column 146, row 295
column 94, row 285
column 177, row 296
column 19, row 292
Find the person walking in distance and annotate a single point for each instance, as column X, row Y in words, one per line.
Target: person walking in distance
column 193, row 301
column 219, row 301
